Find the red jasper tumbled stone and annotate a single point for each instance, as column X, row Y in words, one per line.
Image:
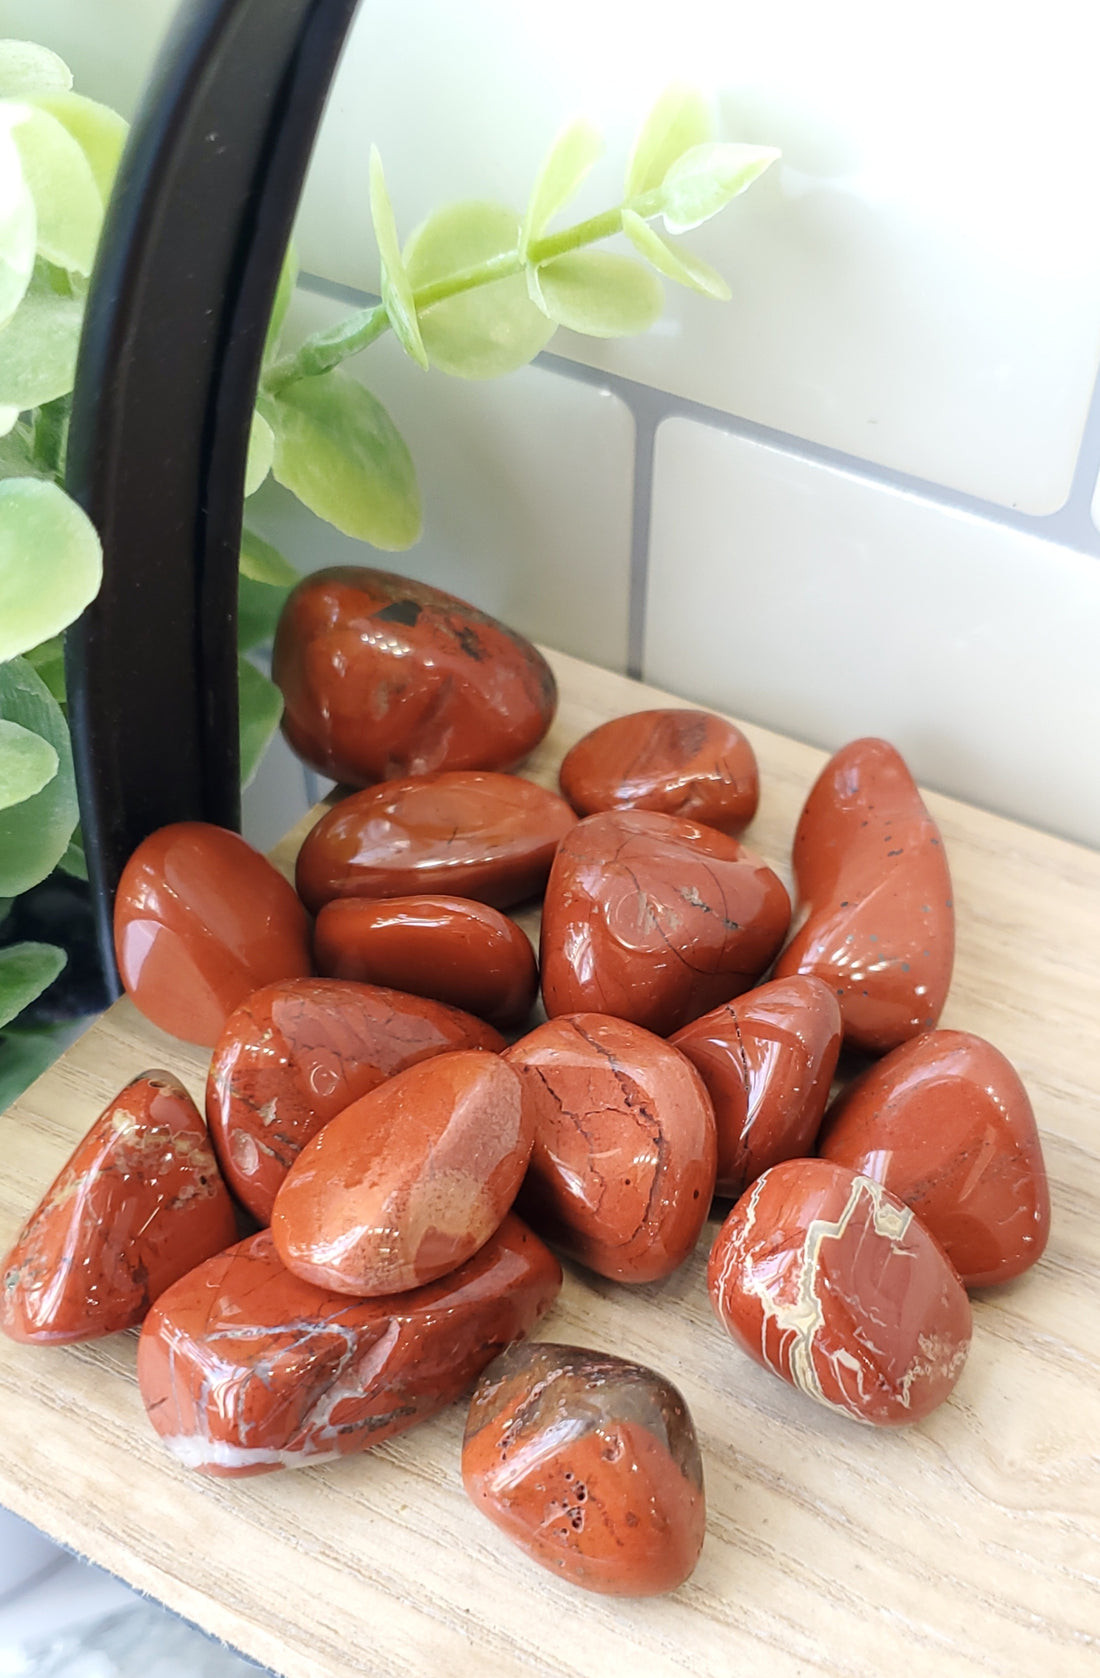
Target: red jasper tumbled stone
column 767, row 1060
column 946, row 1124
column 828, row 1280
column 480, row 835
column 591, row 1465
column 297, row 1053
column 684, row 763
column 655, row 919
column 382, row 676
column 451, row 948
column 622, row 1169
column 408, row 1182
column 875, row 913
column 244, row 1368
column 201, row 921
column 138, row 1204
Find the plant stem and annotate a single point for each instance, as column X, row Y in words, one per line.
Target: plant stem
column 325, row 350
column 48, row 435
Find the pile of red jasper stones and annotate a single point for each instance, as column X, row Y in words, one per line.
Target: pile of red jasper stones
column 407, row 1172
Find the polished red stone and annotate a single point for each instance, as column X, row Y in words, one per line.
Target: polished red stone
column 767, row 1060
column 139, row 1203
column 490, row 837
column 244, row 1368
column 875, row 915
column 383, row 676
column 591, row 1465
column 684, row 763
column 945, row 1123
column 297, row 1053
column 201, row 921
column 451, row 948
column 622, row 1170
column 655, row 919
column 830, row 1281
column 407, row 1183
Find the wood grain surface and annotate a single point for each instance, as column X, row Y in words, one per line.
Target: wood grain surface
column 967, row 1545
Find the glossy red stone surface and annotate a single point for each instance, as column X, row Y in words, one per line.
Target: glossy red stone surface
column 591, row 1465
column 297, row 1053
column 138, row 1204
column 383, row 676
column 684, row 763
column 622, row 1169
column 244, row 1368
column 490, row 837
column 828, row 1280
column 875, row 916
column 946, row 1124
column 655, row 919
column 201, row 921
column 767, row 1060
column 407, row 1183
column 451, row 948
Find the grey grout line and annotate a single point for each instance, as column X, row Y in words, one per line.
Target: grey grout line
column 646, row 420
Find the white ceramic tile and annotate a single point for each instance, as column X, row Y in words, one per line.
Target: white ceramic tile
column 827, row 606
column 526, row 483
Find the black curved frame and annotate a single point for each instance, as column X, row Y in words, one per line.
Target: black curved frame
column 166, row 378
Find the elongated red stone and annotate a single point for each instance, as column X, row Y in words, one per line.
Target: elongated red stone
column 875, row 916
column 297, row 1053
column 138, row 1204
column 622, row 1169
column 945, row 1123
column 490, row 837
column 684, row 763
column 591, row 1465
column 244, row 1368
column 828, row 1280
column 383, row 676
column 451, row 948
column 201, row 921
column 655, row 919
column 408, row 1182
column 767, row 1060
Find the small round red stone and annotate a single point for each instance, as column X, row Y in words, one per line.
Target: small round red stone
column 684, row 763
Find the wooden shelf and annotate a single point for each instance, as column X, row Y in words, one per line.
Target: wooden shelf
column 966, row 1545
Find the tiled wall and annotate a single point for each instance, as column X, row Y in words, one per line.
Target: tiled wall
column 860, row 497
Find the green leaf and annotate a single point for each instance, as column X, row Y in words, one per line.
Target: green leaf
column 8, row 418
column 261, row 452
column 38, row 346
column 67, row 203
column 34, row 834
column 25, row 972
column 17, row 455
column 74, row 861
column 18, row 224
column 490, row 329
column 675, row 264
column 679, row 120
column 703, row 181
column 48, row 662
column 258, row 609
column 27, row 68
column 284, row 291
column 397, row 291
column 339, row 451
column 98, row 131
column 27, row 763
column 598, row 292
column 261, row 707
column 50, row 563
column 24, row 1057
column 567, row 163
column 265, row 564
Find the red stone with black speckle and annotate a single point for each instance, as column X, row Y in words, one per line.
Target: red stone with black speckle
column 684, row 763
column 591, row 1465
column 139, row 1203
column 382, row 676
column 451, row 948
column 622, row 1170
column 875, row 915
column 767, row 1060
column 244, row 1368
column 655, row 919
column 296, row 1054
column 946, row 1124
column 480, row 835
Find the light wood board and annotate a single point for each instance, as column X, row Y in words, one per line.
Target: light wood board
column 967, row 1545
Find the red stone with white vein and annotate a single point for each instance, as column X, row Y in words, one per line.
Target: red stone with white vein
column 829, row 1281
